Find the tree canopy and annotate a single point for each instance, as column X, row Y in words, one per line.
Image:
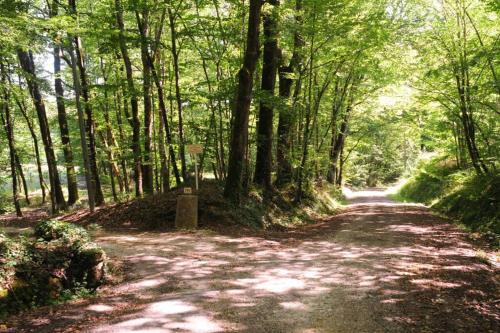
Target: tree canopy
column 99, row 99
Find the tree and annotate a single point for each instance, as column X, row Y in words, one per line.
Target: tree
column 28, row 66
column 263, row 164
column 239, row 134
column 132, row 93
column 62, row 117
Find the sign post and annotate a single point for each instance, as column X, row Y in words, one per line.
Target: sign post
column 195, row 150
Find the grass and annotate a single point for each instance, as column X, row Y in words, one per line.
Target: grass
column 465, row 196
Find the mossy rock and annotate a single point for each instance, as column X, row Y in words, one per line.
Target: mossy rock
column 89, row 265
column 50, row 230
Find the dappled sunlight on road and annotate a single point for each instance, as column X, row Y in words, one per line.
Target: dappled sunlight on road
column 376, row 267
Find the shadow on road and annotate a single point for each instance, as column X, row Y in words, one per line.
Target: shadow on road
column 376, row 267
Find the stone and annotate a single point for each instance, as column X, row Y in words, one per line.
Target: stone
column 186, row 216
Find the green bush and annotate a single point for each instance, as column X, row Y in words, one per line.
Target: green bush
column 51, row 230
column 61, row 262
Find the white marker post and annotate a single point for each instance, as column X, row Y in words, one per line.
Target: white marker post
column 195, row 150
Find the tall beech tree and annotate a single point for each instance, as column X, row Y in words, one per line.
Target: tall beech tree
column 62, row 116
column 89, row 114
column 287, row 75
column 28, row 66
column 270, row 61
column 239, row 133
column 133, row 96
column 6, row 118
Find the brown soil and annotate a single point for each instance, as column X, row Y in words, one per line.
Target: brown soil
column 376, row 267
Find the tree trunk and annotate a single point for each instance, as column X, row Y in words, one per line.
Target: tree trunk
column 263, row 165
column 63, row 119
column 147, row 170
column 338, row 145
column 163, row 111
column 28, row 66
column 7, row 123
column 286, row 113
column 89, row 125
column 241, row 111
column 121, row 136
column 305, row 142
column 136, row 126
column 175, row 58
column 31, row 128
column 83, row 134
column 23, row 179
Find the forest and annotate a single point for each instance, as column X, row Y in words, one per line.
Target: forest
column 299, row 106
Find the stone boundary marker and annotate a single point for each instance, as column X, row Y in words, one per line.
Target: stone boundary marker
column 186, row 216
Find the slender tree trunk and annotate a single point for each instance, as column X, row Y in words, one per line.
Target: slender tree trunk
column 28, row 66
column 7, row 123
column 175, row 58
column 63, row 119
column 336, row 133
column 109, row 139
column 164, row 172
column 23, row 179
column 339, row 141
column 305, row 142
column 121, row 136
column 89, row 116
column 286, row 113
column 82, row 130
column 147, row 170
column 136, row 126
column 163, row 111
column 36, row 148
column 241, row 111
column 263, row 165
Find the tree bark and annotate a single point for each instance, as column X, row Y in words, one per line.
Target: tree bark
column 163, row 113
column 286, row 113
column 23, row 179
column 28, row 66
column 241, row 111
column 7, row 123
column 263, row 165
column 34, row 138
column 83, row 134
column 89, row 124
column 136, row 126
column 178, row 98
column 63, row 119
column 147, row 170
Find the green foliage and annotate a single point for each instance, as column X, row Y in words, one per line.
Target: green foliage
column 475, row 201
column 50, row 230
column 430, row 181
column 61, row 264
column 472, row 199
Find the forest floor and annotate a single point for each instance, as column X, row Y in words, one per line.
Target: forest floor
column 378, row 266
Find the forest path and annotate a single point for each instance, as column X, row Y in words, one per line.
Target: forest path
column 378, row 266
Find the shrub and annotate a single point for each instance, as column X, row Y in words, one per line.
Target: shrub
column 51, row 230
column 59, row 263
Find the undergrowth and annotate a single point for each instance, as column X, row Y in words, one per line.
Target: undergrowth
column 259, row 210
column 60, row 263
column 469, row 198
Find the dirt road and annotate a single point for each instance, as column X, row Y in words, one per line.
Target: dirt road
column 377, row 267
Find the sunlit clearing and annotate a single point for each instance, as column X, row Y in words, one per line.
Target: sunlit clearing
column 100, row 308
